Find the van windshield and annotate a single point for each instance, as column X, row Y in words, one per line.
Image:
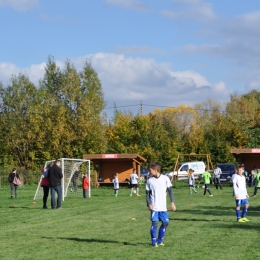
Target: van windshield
column 226, row 168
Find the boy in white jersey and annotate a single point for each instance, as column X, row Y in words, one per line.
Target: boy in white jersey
column 241, row 195
column 116, row 184
column 134, row 183
column 156, row 188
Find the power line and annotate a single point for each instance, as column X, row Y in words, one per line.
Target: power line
column 141, row 105
column 160, row 106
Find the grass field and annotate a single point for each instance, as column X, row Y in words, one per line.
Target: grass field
column 101, row 227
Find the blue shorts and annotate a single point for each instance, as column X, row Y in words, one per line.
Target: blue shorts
column 157, row 216
column 206, row 186
column 240, row 203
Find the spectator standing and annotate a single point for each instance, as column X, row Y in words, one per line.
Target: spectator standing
column 253, row 173
column 55, row 175
column 217, row 174
column 13, row 186
column 85, row 185
column 45, row 184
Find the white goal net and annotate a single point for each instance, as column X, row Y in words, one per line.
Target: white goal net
column 71, row 182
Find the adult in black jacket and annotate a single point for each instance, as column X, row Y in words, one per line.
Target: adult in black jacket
column 55, row 176
column 14, row 187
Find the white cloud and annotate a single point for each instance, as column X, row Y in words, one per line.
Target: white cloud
column 34, row 72
column 237, row 39
column 139, row 50
column 187, row 1
column 243, row 28
column 127, row 80
column 196, row 10
column 237, row 47
column 20, row 5
column 128, row 4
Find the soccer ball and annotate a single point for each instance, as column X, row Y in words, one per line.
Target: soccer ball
column 203, row 186
column 134, row 191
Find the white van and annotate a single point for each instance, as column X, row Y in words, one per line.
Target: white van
column 198, row 167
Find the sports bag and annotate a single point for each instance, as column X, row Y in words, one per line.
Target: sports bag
column 16, row 181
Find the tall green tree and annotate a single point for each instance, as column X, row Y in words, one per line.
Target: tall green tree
column 73, row 105
column 18, row 130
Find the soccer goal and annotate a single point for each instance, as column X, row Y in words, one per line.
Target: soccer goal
column 68, row 166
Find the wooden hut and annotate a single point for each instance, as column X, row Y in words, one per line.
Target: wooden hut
column 250, row 157
column 106, row 165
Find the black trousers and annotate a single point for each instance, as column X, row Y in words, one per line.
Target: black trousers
column 45, row 195
column 217, row 183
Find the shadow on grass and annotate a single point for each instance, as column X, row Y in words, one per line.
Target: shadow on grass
column 22, row 207
column 236, row 225
column 219, row 211
column 94, row 240
column 195, row 219
column 15, row 207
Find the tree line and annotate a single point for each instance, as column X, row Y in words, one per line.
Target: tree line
column 63, row 116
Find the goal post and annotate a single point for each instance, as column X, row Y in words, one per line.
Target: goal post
column 68, row 168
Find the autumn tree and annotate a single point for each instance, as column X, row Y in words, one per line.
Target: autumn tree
column 73, row 102
column 19, row 131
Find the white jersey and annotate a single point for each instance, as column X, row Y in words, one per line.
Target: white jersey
column 192, row 180
column 116, row 183
column 239, row 185
column 134, row 178
column 157, row 188
column 217, row 172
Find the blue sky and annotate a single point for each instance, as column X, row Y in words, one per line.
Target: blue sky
column 160, row 52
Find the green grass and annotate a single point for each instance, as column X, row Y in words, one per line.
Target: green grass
column 101, row 227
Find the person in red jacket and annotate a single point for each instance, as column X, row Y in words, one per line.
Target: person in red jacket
column 45, row 184
column 85, row 185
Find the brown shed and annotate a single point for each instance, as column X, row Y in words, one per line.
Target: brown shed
column 109, row 164
column 249, row 156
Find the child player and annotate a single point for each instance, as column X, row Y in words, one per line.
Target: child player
column 206, row 176
column 156, row 187
column 191, row 181
column 241, row 196
column 116, row 184
column 134, row 184
column 85, row 185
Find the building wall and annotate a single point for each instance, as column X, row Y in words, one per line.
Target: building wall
column 250, row 160
column 109, row 168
